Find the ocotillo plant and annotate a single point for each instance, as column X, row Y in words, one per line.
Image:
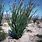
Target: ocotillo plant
column 20, row 18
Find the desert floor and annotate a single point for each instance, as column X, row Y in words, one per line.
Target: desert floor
column 28, row 36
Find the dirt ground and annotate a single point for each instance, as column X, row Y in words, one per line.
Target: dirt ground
column 27, row 36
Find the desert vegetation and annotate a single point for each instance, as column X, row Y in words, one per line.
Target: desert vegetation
column 2, row 33
column 19, row 27
column 1, row 12
column 20, row 18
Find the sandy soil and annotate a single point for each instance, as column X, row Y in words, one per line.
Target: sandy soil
column 27, row 36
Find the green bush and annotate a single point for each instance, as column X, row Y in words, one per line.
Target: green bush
column 1, row 16
column 20, row 20
column 1, row 11
column 2, row 34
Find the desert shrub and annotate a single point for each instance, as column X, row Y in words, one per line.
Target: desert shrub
column 39, row 38
column 1, row 11
column 2, row 34
column 41, row 19
column 35, row 18
column 20, row 20
column 1, row 16
column 38, row 35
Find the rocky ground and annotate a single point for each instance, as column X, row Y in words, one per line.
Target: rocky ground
column 29, row 33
